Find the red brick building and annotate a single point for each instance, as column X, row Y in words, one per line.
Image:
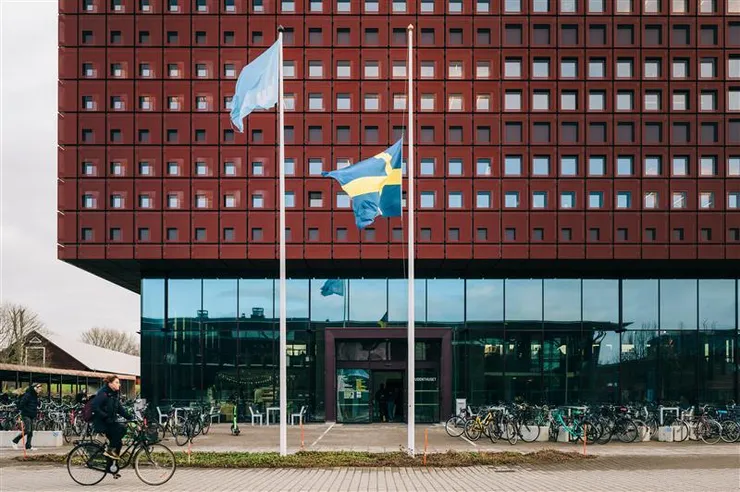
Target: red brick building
column 555, row 138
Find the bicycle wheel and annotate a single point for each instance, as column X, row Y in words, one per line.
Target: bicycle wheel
column 682, row 432
column 206, row 426
column 154, row 464
column 455, row 426
column 709, row 431
column 494, row 432
column 473, row 430
column 730, row 431
column 183, row 434
column 529, row 432
column 627, row 431
column 510, row 433
column 592, row 432
column 86, row 463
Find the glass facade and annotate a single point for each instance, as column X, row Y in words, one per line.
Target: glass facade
column 542, row 340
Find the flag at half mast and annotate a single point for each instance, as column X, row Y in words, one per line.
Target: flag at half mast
column 374, row 185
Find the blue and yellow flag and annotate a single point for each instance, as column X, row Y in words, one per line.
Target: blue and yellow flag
column 383, row 322
column 333, row 286
column 374, row 185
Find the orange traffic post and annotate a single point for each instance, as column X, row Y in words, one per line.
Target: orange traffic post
column 426, row 443
column 585, row 438
column 23, row 439
column 190, row 449
column 302, row 433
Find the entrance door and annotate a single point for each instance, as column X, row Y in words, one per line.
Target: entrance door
column 353, row 396
column 388, row 403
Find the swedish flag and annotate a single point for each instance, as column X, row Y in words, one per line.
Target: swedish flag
column 374, row 185
column 383, row 322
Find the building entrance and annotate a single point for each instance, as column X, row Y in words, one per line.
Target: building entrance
column 366, row 376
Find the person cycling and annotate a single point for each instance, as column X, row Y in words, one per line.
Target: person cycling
column 106, row 407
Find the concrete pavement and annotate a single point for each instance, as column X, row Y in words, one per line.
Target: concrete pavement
column 633, row 474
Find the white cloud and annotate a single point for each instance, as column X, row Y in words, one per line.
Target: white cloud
column 68, row 299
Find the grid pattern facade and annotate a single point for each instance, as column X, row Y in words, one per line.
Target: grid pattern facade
column 546, row 129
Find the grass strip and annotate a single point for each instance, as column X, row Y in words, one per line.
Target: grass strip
column 323, row 459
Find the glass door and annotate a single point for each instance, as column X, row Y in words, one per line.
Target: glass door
column 353, row 396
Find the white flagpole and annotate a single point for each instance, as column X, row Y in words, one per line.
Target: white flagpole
column 283, row 314
column 411, row 356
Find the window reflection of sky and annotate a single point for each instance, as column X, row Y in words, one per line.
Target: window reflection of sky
column 646, row 304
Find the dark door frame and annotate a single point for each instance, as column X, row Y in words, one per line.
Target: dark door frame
column 330, row 359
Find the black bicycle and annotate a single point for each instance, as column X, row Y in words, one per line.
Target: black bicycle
column 153, row 462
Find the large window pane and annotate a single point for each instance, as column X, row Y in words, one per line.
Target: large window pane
column 219, row 335
column 296, row 299
column 640, row 304
column 152, row 304
column 445, row 300
column 678, row 304
column 398, row 300
column 182, row 374
column 563, row 304
column 330, row 307
column 601, row 303
column 524, row 302
column 716, row 304
column 523, row 376
column 256, row 299
column 485, row 300
column 367, row 301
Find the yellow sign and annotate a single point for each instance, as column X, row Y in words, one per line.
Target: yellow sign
column 360, row 384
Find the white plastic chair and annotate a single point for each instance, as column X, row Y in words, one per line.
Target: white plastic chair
column 298, row 416
column 255, row 415
column 215, row 413
column 162, row 416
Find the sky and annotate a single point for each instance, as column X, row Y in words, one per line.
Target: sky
column 67, row 299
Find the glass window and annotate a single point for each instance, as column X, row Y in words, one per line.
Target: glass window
column 541, row 68
column 562, row 303
column 596, row 165
column 716, row 304
column 427, row 70
column 427, row 199
column 569, row 165
column 596, row 68
column 513, row 101
column 596, row 100
column 679, row 199
column 368, row 300
column 601, row 304
column 512, row 165
column 540, row 166
column 454, row 167
column 624, row 199
column 568, row 100
column 625, row 100
column 708, row 166
column 541, row 6
column 707, row 68
column 512, row 6
column 595, row 199
column 343, row 70
column 567, row 199
column 624, row 68
column 523, row 301
column 652, row 166
column 483, row 167
column 539, row 199
column 511, row 199
column 427, row 167
column 569, row 68
column 706, row 199
column 398, row 300
column 513, row 68
column 733, row 166
column 485, row 300
column 482, row 70
column 541, row 100
column 445, row 300
column 454, row 200
column 680, row 165
column 625, row 166
column 678, row 309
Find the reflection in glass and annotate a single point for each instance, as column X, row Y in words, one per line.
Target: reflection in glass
column 522, row 379
column 256, row 298
column 716, row 305
column 561, row 365
column 446, row 300
column 717, row 366
column 601, row 302
column 640, row 304
column 639, row 354
column 523, row 300
column 678, row 304
column 677, row 361
column 563, row 303
column 367, row 300
column 296, row 298
column 398, row 300
column 485, row 300
column 328, row 308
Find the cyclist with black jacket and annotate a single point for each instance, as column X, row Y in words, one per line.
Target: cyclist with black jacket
column 106, row 407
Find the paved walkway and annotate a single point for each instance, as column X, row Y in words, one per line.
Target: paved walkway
column 392, row 437
column 606, row 474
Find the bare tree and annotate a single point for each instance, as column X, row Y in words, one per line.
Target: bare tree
column 111, row 339
column 16, row 323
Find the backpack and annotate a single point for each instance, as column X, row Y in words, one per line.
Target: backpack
column 87, row 411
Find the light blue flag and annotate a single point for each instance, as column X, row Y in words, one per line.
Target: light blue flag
column 374, row 185
column 333, row 286
column 257, row 85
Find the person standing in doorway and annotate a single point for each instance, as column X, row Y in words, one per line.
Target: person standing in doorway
column 28, row 405
column 392, row 398
column 380, row 400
